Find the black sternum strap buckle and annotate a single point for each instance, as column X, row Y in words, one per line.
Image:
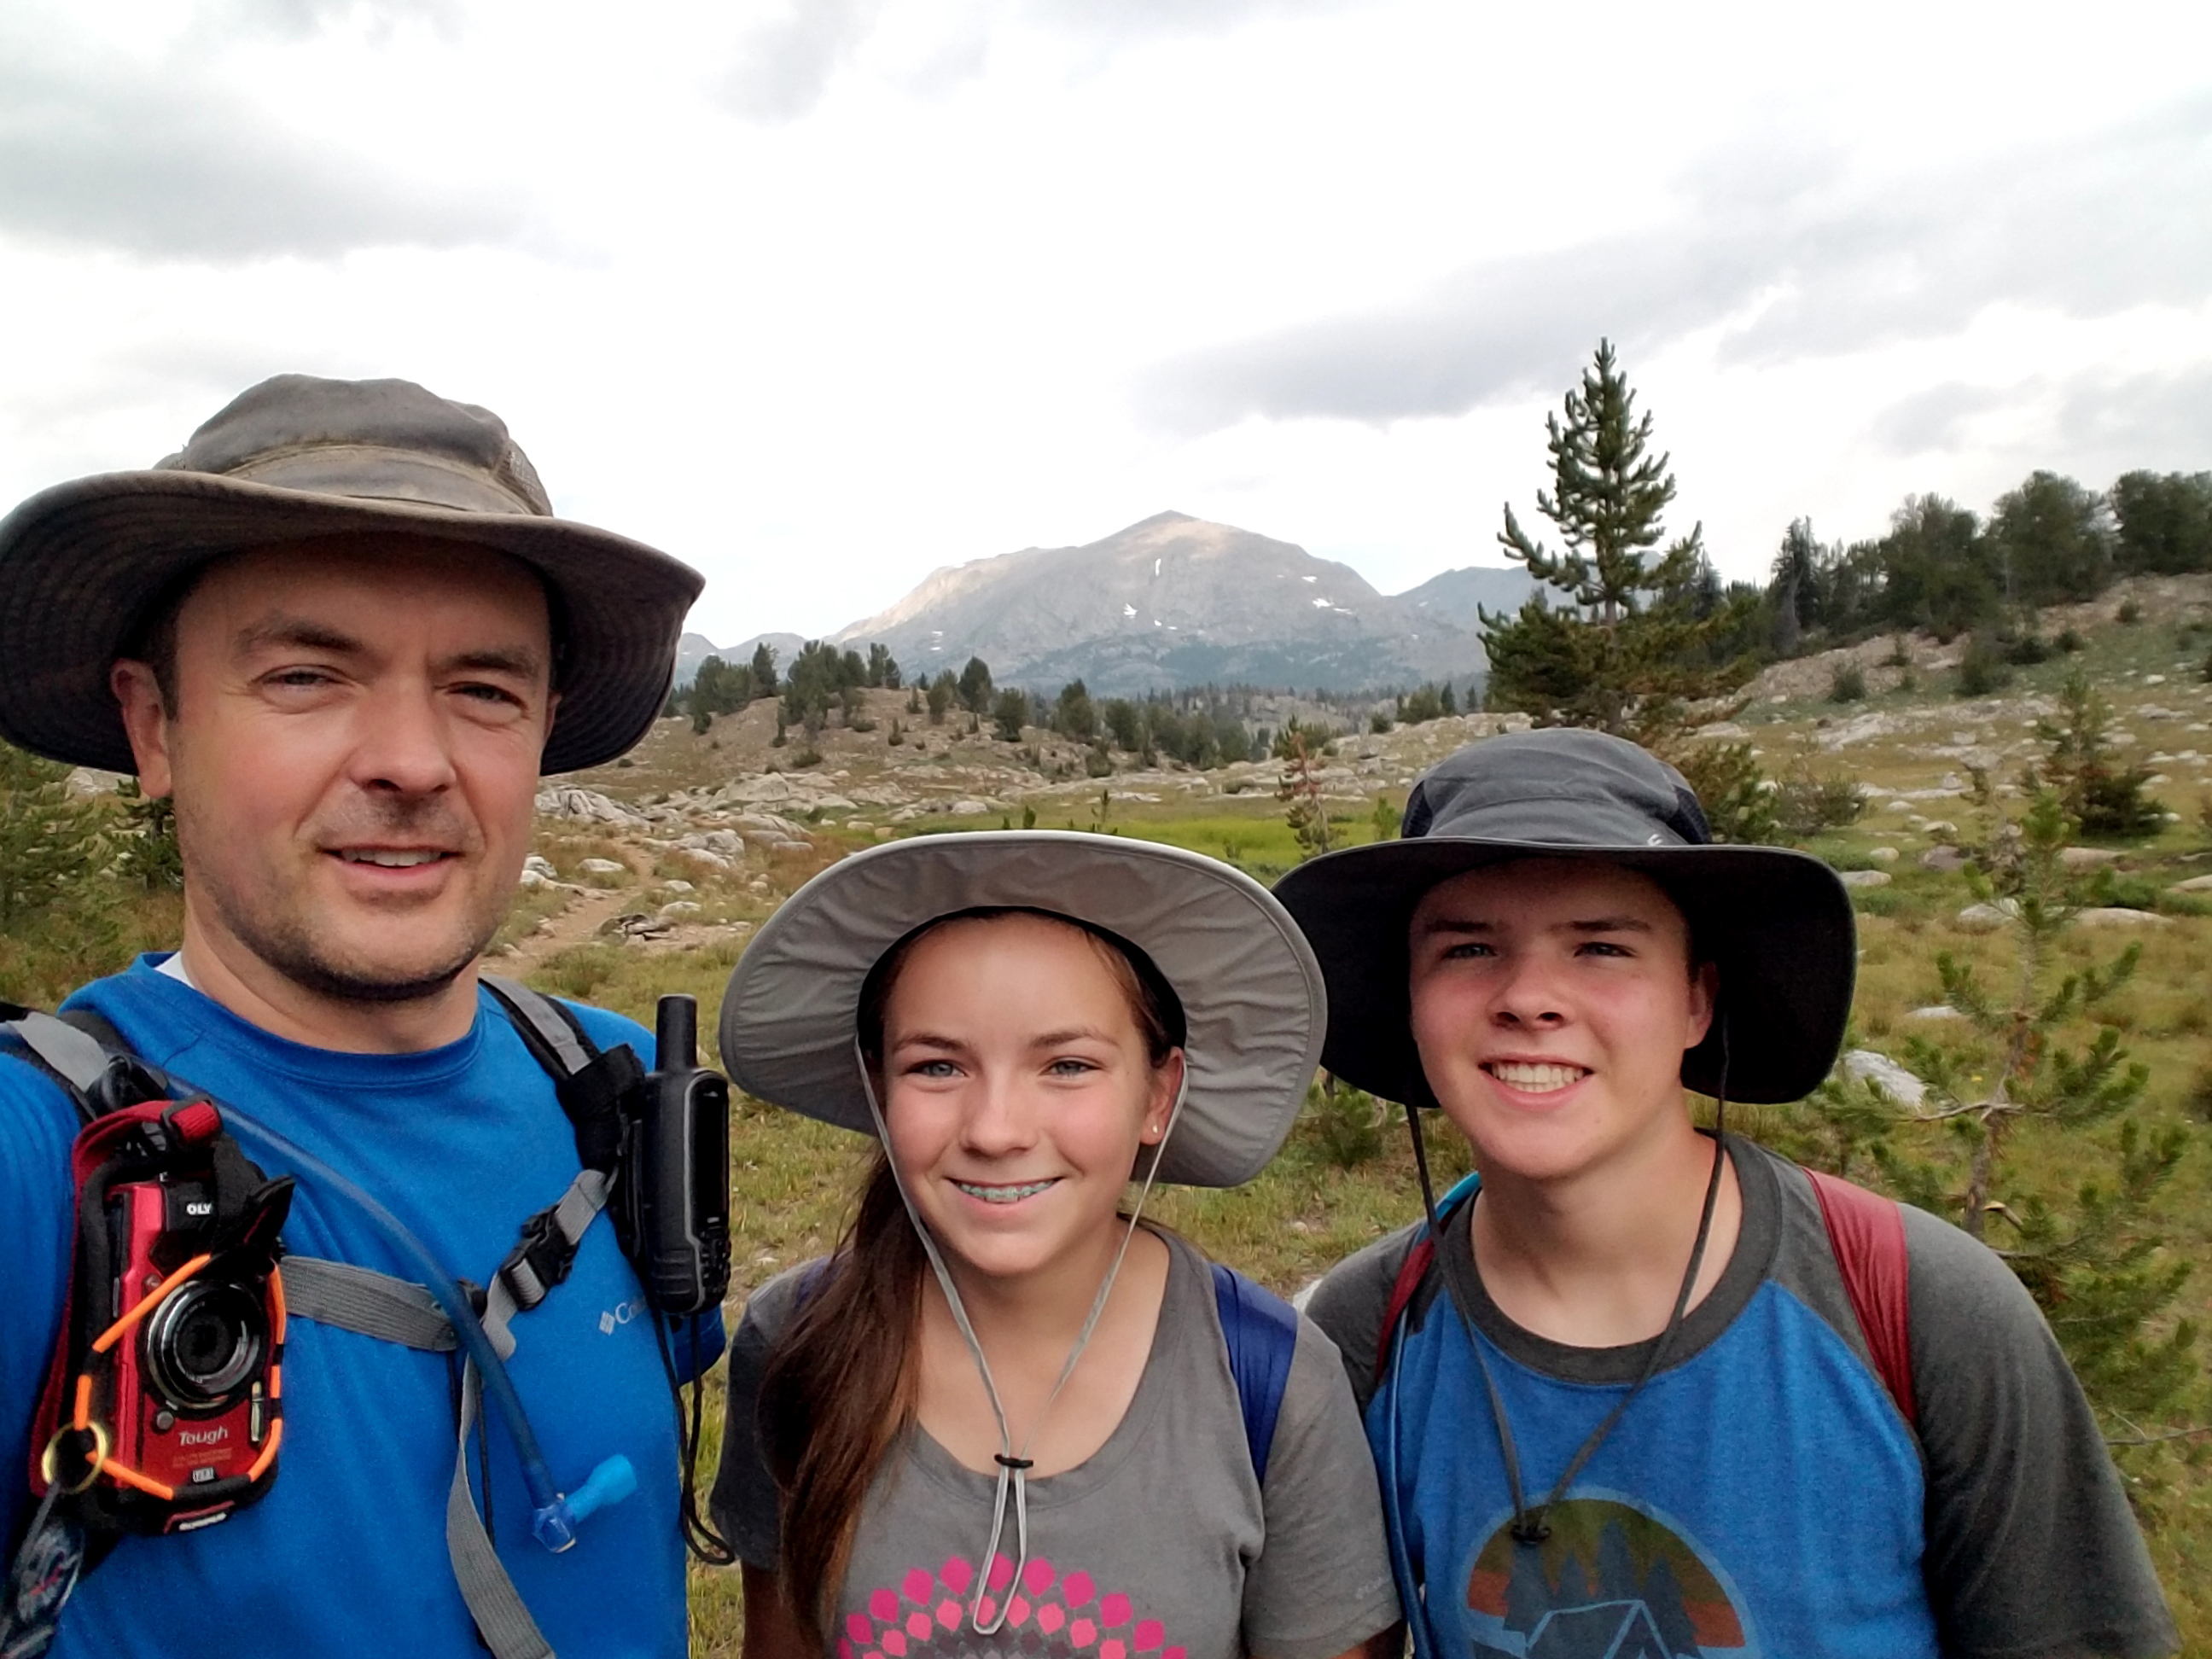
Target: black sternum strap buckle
column 542, row 1257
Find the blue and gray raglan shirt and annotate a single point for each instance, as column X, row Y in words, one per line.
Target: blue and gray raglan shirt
column 1763, row 1497
column 347, row 1552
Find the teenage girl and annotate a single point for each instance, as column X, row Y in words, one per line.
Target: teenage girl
column 1000, row 1417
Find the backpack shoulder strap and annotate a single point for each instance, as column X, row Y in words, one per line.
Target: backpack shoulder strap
column 1867, row 1233
column 1261, row 1331
column 85, row 1055
column 1411, row 1272
column 588, row 1081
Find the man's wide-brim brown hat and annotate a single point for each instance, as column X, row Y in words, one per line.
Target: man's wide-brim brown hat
column 84, row 563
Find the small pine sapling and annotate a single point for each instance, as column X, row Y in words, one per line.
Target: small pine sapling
column 1300, row 790
column 2095, row 1256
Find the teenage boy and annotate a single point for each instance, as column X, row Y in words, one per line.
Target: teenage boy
column 1639, row 1389
column 343, row 633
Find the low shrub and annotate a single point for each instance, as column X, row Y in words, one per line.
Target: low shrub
column 1983, row 670
column 1848, row 683
column 1806, row 806
column 1346, row 1124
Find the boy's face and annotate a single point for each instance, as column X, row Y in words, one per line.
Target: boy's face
column 1553, row 1001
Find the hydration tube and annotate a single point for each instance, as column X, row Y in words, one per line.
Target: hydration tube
column 555, row 1514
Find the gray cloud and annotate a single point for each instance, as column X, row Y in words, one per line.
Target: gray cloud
column 1816, row 266
column 1936, row 419
column 164, row 162
column 2157, row 420
column 300, row 19
column 786, row 66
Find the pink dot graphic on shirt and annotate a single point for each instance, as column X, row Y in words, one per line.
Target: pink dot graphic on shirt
column 844, row 1648
column 1046, row 1615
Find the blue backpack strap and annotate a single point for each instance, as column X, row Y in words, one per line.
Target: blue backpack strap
column 1261, row 1331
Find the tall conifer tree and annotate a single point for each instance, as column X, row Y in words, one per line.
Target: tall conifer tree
column 1616, row 628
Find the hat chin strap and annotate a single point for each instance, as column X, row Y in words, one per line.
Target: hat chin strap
column 1013, row 1467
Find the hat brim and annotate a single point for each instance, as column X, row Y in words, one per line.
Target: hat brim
column 81, row 562
column 1252, row 993
column 1777, row 925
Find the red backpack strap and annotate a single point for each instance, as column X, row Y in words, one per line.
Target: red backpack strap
column 1867, row 1233
column 1411, row 1272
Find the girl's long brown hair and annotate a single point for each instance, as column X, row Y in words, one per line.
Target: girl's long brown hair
column 838, row 1388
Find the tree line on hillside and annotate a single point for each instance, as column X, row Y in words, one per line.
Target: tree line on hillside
column 1200, row 727
column 1941, row 567
column 1627, row 626
column 821, row 676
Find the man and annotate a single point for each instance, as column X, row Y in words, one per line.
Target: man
column 343, row 631
column 1643, row 1390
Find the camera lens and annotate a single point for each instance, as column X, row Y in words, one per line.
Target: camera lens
column 204, row 1341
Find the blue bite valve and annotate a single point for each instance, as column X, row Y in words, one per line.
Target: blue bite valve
column 555, row 1526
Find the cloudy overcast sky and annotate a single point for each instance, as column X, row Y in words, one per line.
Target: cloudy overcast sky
column 821, row 296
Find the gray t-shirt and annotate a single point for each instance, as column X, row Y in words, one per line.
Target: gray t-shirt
column 1162, row 1543
column 2024, row 1542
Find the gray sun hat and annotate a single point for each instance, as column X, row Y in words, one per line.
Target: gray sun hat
column 82, row 564
column 1252, row 995
column 1777, row 924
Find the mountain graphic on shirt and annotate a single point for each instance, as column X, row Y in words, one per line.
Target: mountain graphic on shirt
column 1612, row 1582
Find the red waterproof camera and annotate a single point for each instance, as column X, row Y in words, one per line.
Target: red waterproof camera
column 193, row 1391
column 163, row 1411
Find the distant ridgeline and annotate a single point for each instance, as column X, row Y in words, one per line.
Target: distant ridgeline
column 1174, row 602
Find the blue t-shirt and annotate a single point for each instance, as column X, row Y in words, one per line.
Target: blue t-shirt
column 462, row 1143
column 1763, row 1495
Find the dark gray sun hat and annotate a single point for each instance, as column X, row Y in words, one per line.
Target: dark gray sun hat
column 1252, row 1001
column 1777, row 924
column 293, row 457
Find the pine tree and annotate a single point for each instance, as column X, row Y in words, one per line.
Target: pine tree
column 50, row 841
column 1623, row 631
column 1304, row 809
column 149, row 853
column 2094, row 1257
column 975, row 686
column 2104, row 796
column 763, row 668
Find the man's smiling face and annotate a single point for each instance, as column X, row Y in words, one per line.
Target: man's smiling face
column 1553, row 1001
column 354, row 757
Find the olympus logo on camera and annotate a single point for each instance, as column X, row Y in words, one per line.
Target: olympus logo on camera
column 214, row 1436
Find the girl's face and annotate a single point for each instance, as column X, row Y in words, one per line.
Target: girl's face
column 1017, row 1090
